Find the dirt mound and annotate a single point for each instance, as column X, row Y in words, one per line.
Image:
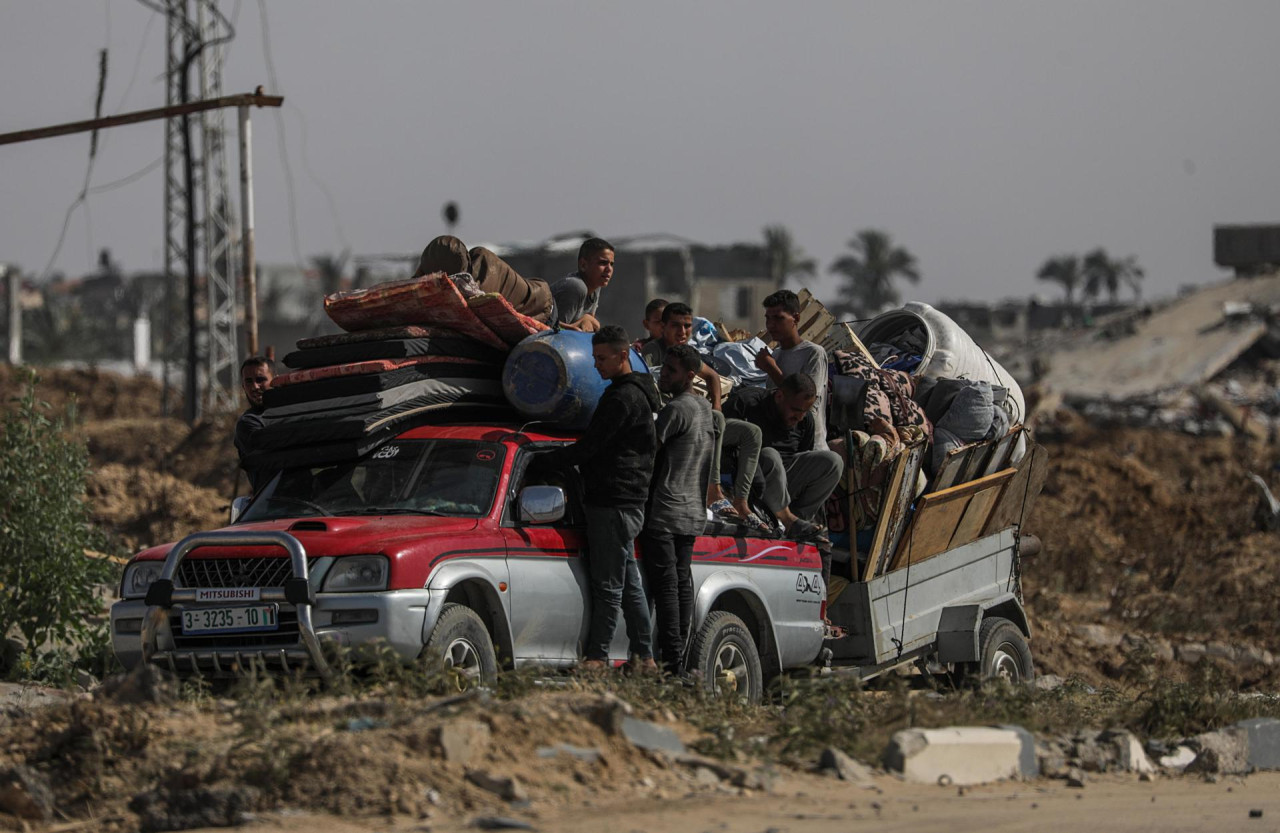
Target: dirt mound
column 143, row 507
column 98, row 394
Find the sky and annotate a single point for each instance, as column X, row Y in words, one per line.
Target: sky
column 984, row 137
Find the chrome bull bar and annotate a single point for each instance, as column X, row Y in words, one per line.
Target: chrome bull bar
column 162, row 595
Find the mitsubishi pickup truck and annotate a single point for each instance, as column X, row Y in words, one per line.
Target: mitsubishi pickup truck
column 460, row 542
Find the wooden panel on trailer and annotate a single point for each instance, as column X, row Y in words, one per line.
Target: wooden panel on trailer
column 938, row 517
column 999, row 460
column 895, row 503
column 979, row 511
column 1020, row 494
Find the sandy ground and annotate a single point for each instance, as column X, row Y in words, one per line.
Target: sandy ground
column 808, row 804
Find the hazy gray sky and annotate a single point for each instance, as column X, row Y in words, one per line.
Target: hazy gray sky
column 984, row 136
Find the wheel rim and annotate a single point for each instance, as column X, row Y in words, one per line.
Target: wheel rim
column 731, row 671
column 1004, row 664
column 462, row 663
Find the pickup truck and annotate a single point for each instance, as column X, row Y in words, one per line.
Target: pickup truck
column 459, row 542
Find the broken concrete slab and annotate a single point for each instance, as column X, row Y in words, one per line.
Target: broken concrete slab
column 845, row 767
column 461, row 741
column 589, row 755
column 1130, row 756
column 1179, row 759
column 1224, row 752
column 505, row 787
column 1263, row 742
column 651, row 736
column 963, row 754
column 1029, row 761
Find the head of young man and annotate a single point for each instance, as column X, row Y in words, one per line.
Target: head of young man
column 595, row 263
column 653, row 317
column 782, row 317
column 794, row 397
column 256, row 373
column 677, row 324
column 611, row 350
column 679, row 369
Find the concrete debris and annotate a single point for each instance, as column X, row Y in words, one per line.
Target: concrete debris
column 589, row 755
column 505, row 787
column 651, row 736
column 607, row 711
column 1028, row 761
column 1224, row 752
column 1047, row 682
column 1130, row 755
column 1263, row 740
column 25, row 793
column 968, row 754
column 843, row 766
column 461, row 741
column 1179, row 759
column 1075, row 778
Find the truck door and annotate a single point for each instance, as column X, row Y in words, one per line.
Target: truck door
column 549, row 591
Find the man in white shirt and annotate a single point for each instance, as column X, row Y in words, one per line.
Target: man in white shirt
column 794, row 355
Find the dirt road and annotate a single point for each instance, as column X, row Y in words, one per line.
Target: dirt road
column 809, row 804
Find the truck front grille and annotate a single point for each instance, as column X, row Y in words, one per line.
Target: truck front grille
column 269, row 571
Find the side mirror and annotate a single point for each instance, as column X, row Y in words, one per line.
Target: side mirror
column 541, row 504
column 238, row 505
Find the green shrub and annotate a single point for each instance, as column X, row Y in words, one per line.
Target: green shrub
column 46, row 580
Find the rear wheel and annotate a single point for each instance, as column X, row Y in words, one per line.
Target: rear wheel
column 1004, row 653
column 462, row 645
column 725, row 654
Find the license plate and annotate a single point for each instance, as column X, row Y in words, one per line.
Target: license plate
column 229, row 619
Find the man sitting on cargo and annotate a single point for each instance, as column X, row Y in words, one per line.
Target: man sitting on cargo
column 796, row 478
column 794, row 355
column 652, row 322
column 256, row 373
column 677, row 327
column 448, row 254
column 577, row 296
column 615, row 457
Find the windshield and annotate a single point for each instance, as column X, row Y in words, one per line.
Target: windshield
column 457, row 478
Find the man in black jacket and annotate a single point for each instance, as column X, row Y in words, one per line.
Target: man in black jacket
column 256, row 373
column 615, row 456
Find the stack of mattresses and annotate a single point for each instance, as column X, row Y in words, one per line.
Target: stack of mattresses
column 414, row 352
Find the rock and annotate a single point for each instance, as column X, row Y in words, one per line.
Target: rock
column 188, row 809
column 500, row 823
column 761, row 780
column 1075, row 778
column 1130, row 755
column 506, row 788
column 1190, row 652
column 1028, row 762
column 144, row 684
column 845, row 767
column 607, row 711
column 1099, row 635
column 1263, row 742
column 646, row 735
column 967, row 754
column 25, row 793
column 1225, row 752
column 705, row 777
column 1161, row 648
column 1047, row 682
column 86, row 681
column 1221, row 650
column 461, row 741
column 1179, row 759
column 588, row 755
column 1091, row 756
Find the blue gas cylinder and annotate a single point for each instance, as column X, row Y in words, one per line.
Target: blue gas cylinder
column 551, row 377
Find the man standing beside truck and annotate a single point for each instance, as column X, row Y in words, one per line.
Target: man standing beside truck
column 675, row 515
column 615, row 456
column 256, row 373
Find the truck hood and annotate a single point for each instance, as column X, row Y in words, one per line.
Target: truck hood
column 346, row 535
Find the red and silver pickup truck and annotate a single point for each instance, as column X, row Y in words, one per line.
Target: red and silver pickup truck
column 458, row 542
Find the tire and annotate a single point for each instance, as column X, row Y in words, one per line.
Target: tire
column 463, row 646
column 1004, row 652
column 724, row 655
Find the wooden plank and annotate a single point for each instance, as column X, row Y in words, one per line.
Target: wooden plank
column 949, row 473
column 940, row 514
column 842, row 337
column 999, row 459
column 1019, row 497
column 894, row 504
column 977, row 512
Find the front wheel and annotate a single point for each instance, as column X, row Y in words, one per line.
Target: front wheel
column 462, row 645
column 1004, row 653
column 725, row 654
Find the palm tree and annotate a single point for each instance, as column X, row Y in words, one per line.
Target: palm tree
column 869, row 272
column 1100, row 273
column 783, row 258
column 1131, row 274
column 1065, row 271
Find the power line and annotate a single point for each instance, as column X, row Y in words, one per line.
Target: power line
column 133, row 177
column 281, row 145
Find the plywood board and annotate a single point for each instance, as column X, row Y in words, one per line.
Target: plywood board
column 1019, row 497
column 939, row 515
column 977, row 512
column 895, row 503
column 842, row 337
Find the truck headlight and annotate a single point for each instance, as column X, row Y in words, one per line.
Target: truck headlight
column 138, row 577
column 352, row 573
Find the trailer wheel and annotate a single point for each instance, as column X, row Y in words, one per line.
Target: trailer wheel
column 724, row 654
column 463, row 646
column 1004, row 652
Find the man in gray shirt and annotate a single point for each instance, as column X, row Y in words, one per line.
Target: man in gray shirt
column 676, row 512
column 794, row 355
column 577, row 296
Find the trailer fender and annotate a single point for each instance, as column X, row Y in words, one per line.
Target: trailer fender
column 733, row 592
column 471, row 584
column 958, row 626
